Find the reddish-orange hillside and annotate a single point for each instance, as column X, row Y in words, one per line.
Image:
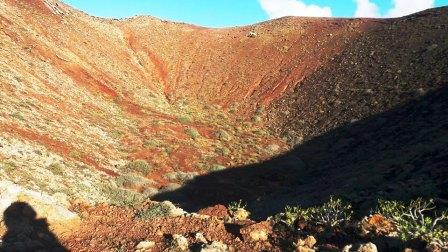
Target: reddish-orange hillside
column 283, row 112
column 103, row 92
column 222, row 66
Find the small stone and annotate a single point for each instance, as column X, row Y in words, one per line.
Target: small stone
column 368, row 247
column 174, row 211
column 347, row 248
column 145, row 245
column 257, row 232
column 252, row 34
column 308, row 242
column 180, row 242
column 215, row 247
column 200, row 238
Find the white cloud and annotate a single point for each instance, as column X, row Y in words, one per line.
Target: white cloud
column 406, row 7
column 365, row 8
column 282, row 8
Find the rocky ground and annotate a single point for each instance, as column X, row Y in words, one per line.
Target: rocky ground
column 98, row 117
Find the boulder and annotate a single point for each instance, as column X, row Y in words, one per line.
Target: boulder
column 257, row 232
column 179, row 243
column 306, row 245
column 368, row 247
column 144, row 246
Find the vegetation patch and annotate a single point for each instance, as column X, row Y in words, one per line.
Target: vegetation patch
column 155, row 211
column 56, row 168
column 180, row 176
column 185, row 119
column 159, row 210
column 417, row 220
column 132, row 180
column 193, row 133
column 122, row 197
column 332, row 214
column 139, row 166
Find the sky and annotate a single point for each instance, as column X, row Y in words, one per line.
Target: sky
column 227, row 13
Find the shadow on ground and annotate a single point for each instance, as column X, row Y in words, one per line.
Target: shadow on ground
column 27, row 233
column 398, row 154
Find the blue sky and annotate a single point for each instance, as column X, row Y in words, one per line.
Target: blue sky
column 225, row 13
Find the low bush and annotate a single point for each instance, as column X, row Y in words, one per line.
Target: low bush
column 235, row 206
column 160, row 209
column 417, row 220
column 237, row 210
column 122, row 197
column 193, row 133
column 180, row 176
column 139, row 166
column 56, row 169
column 333, row 213
column 132, row 180
column 185, row 119
column 155, row 211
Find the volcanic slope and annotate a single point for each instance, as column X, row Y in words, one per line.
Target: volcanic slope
column 117, row 111
column 82, row 96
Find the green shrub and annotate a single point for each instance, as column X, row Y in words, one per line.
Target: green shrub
column 292, row 214
column 237, row 210
column 331, row 214
column 75, row 154
column 122, row 197
column 56, row 169
column 18, row 116
column 155, row 211
column 140, row 166
column 235, row 206
column 222, row 151
column 417, row 220
column 152, row 143
column 8, row 166
column 185, row 119
column 132, row 180
column 193, row 133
